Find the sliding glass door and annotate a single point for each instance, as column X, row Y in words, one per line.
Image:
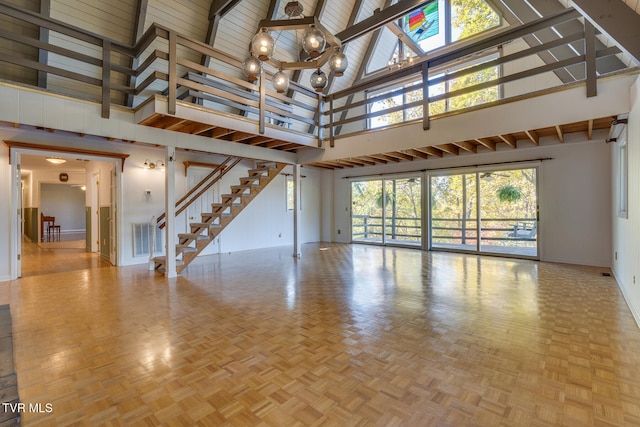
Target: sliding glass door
column 454, row 212
column 366, row 211
column 508, row 212
column 486, row 212
column 387, row 211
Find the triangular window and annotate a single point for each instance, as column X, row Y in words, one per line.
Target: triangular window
column 428, row 26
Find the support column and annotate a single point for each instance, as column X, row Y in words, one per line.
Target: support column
column 297, row 213
column 169, row 208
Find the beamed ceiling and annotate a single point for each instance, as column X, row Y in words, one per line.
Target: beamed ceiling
column 368, row 38
column 369, row 31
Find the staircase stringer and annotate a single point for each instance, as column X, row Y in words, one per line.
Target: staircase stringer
column 218, row 220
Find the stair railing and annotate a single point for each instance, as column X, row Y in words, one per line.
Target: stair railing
column 200, row 188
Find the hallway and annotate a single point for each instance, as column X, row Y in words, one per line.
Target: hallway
column 66, row 255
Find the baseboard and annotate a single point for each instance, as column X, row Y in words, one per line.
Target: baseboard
column 628, row 300
column 5, row 278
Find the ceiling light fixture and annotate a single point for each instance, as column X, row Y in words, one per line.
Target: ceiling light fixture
column 56, row 160
column 320, row 46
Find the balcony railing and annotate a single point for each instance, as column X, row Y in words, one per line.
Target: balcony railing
column 164, row 62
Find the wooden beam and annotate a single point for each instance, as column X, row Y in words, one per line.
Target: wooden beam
column 467, row 146
column 401, row 155
column 220, row 132
column 138, row 31
column 364, row 160
column 276, row 144
column 241, row 136
column 379, row 19
column 485, row 142
column 383, row 157
column 376, row 160
column 417, row 153
column 259, row 140
column 533, row 136
column 449, row 148
column 560, row 134
column 590, row 129
column 509, row 139
column 432, row 151
column 28, row 145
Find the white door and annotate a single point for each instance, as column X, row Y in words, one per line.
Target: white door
column 95, row 212
column 203, row 204
column 112, row 217
column 17, row 231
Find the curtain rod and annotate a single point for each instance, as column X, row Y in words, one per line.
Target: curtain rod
column 542, row 159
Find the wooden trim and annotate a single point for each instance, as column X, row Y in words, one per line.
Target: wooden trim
column 188, row 164
column 30, row 146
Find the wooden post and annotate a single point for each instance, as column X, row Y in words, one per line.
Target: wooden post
column 263, row 101
column 425, row 96
column 106, row 79
column 169, row 208
column 331, row 135
column 590, row 58
column 173, row 70
column 297, row 213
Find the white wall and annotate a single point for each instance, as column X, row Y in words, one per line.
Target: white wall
column 66, row 203
column 574, row 195
column 626, row 231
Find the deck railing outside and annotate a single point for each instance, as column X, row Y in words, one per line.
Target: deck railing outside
column 496, row 231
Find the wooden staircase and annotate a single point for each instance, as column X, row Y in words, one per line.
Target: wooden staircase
column 202, row 233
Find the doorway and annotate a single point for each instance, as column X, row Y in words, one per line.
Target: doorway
column 492, row 212
column 63, row 192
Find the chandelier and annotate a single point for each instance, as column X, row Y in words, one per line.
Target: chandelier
column 319, row 45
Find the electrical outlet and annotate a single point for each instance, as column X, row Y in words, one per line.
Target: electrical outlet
column 339, row 231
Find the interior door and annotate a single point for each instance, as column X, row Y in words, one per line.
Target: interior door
column 202, row 204
column 113, row 214
column 17, row 232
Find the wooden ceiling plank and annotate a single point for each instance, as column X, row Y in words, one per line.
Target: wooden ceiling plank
column 173, row 123
column 220, row 132
column 590, row 129
column 259, row 140
column 241, row 136
column 275, row 144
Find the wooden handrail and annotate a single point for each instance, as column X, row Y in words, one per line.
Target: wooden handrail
column 200, row 188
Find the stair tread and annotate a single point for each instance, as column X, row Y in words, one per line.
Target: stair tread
column 195, row 236
column 231, row 204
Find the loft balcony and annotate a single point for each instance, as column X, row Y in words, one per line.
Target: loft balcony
column 161, row 82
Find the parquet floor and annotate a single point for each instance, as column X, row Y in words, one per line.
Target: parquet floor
column 349, row 335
